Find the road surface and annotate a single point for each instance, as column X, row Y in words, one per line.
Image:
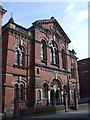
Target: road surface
column 69, row 114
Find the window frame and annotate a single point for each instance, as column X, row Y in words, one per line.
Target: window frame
column 43, row 51
column 20, row 56
column 54, row 53
column 63, row 56
column 73, row 71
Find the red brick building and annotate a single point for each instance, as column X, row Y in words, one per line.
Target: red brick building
column 38, row 67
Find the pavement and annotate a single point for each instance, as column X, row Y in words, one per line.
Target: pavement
column 69, row 114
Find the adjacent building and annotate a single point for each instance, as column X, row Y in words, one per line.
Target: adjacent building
column 84, row 75
column 2, row 12
column 38, row 67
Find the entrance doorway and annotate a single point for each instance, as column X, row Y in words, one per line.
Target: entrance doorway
column 55, row 93
column 57, row 97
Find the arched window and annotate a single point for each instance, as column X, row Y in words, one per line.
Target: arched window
column 39, row 95
column 65, row 87
column 17, row 57
column 43, row 50
column 54, row 53
column 20, row 56
column 63, row 59
column 72, row 69
column 19, row 91
column 51, row 54
column 45, row 90
column 16, row 91
column 22, row 92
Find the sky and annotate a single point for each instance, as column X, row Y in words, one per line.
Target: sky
column 72, row 16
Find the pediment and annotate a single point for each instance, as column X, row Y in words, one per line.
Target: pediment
column 51, row 26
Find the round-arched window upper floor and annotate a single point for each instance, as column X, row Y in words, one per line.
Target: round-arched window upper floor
column 73, row 70
column 20, row 53
column 54, row 53
column 63, row 58
column 43, row 50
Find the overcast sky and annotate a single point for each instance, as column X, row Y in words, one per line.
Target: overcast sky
column 72, row 16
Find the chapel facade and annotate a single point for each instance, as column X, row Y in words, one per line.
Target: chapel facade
column 38, row 67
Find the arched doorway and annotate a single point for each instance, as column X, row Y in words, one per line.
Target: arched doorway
column 55, row 94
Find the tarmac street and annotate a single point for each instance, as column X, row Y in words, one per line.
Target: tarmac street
column 70, row 114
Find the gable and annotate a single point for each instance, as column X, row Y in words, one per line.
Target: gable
column 51, row 26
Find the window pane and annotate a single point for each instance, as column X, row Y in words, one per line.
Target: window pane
column 22, row 59
column 21, row 92
column 43, row 50
column 51, row 55
column 63, row 59
column 17, row 57
column 16, row 92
